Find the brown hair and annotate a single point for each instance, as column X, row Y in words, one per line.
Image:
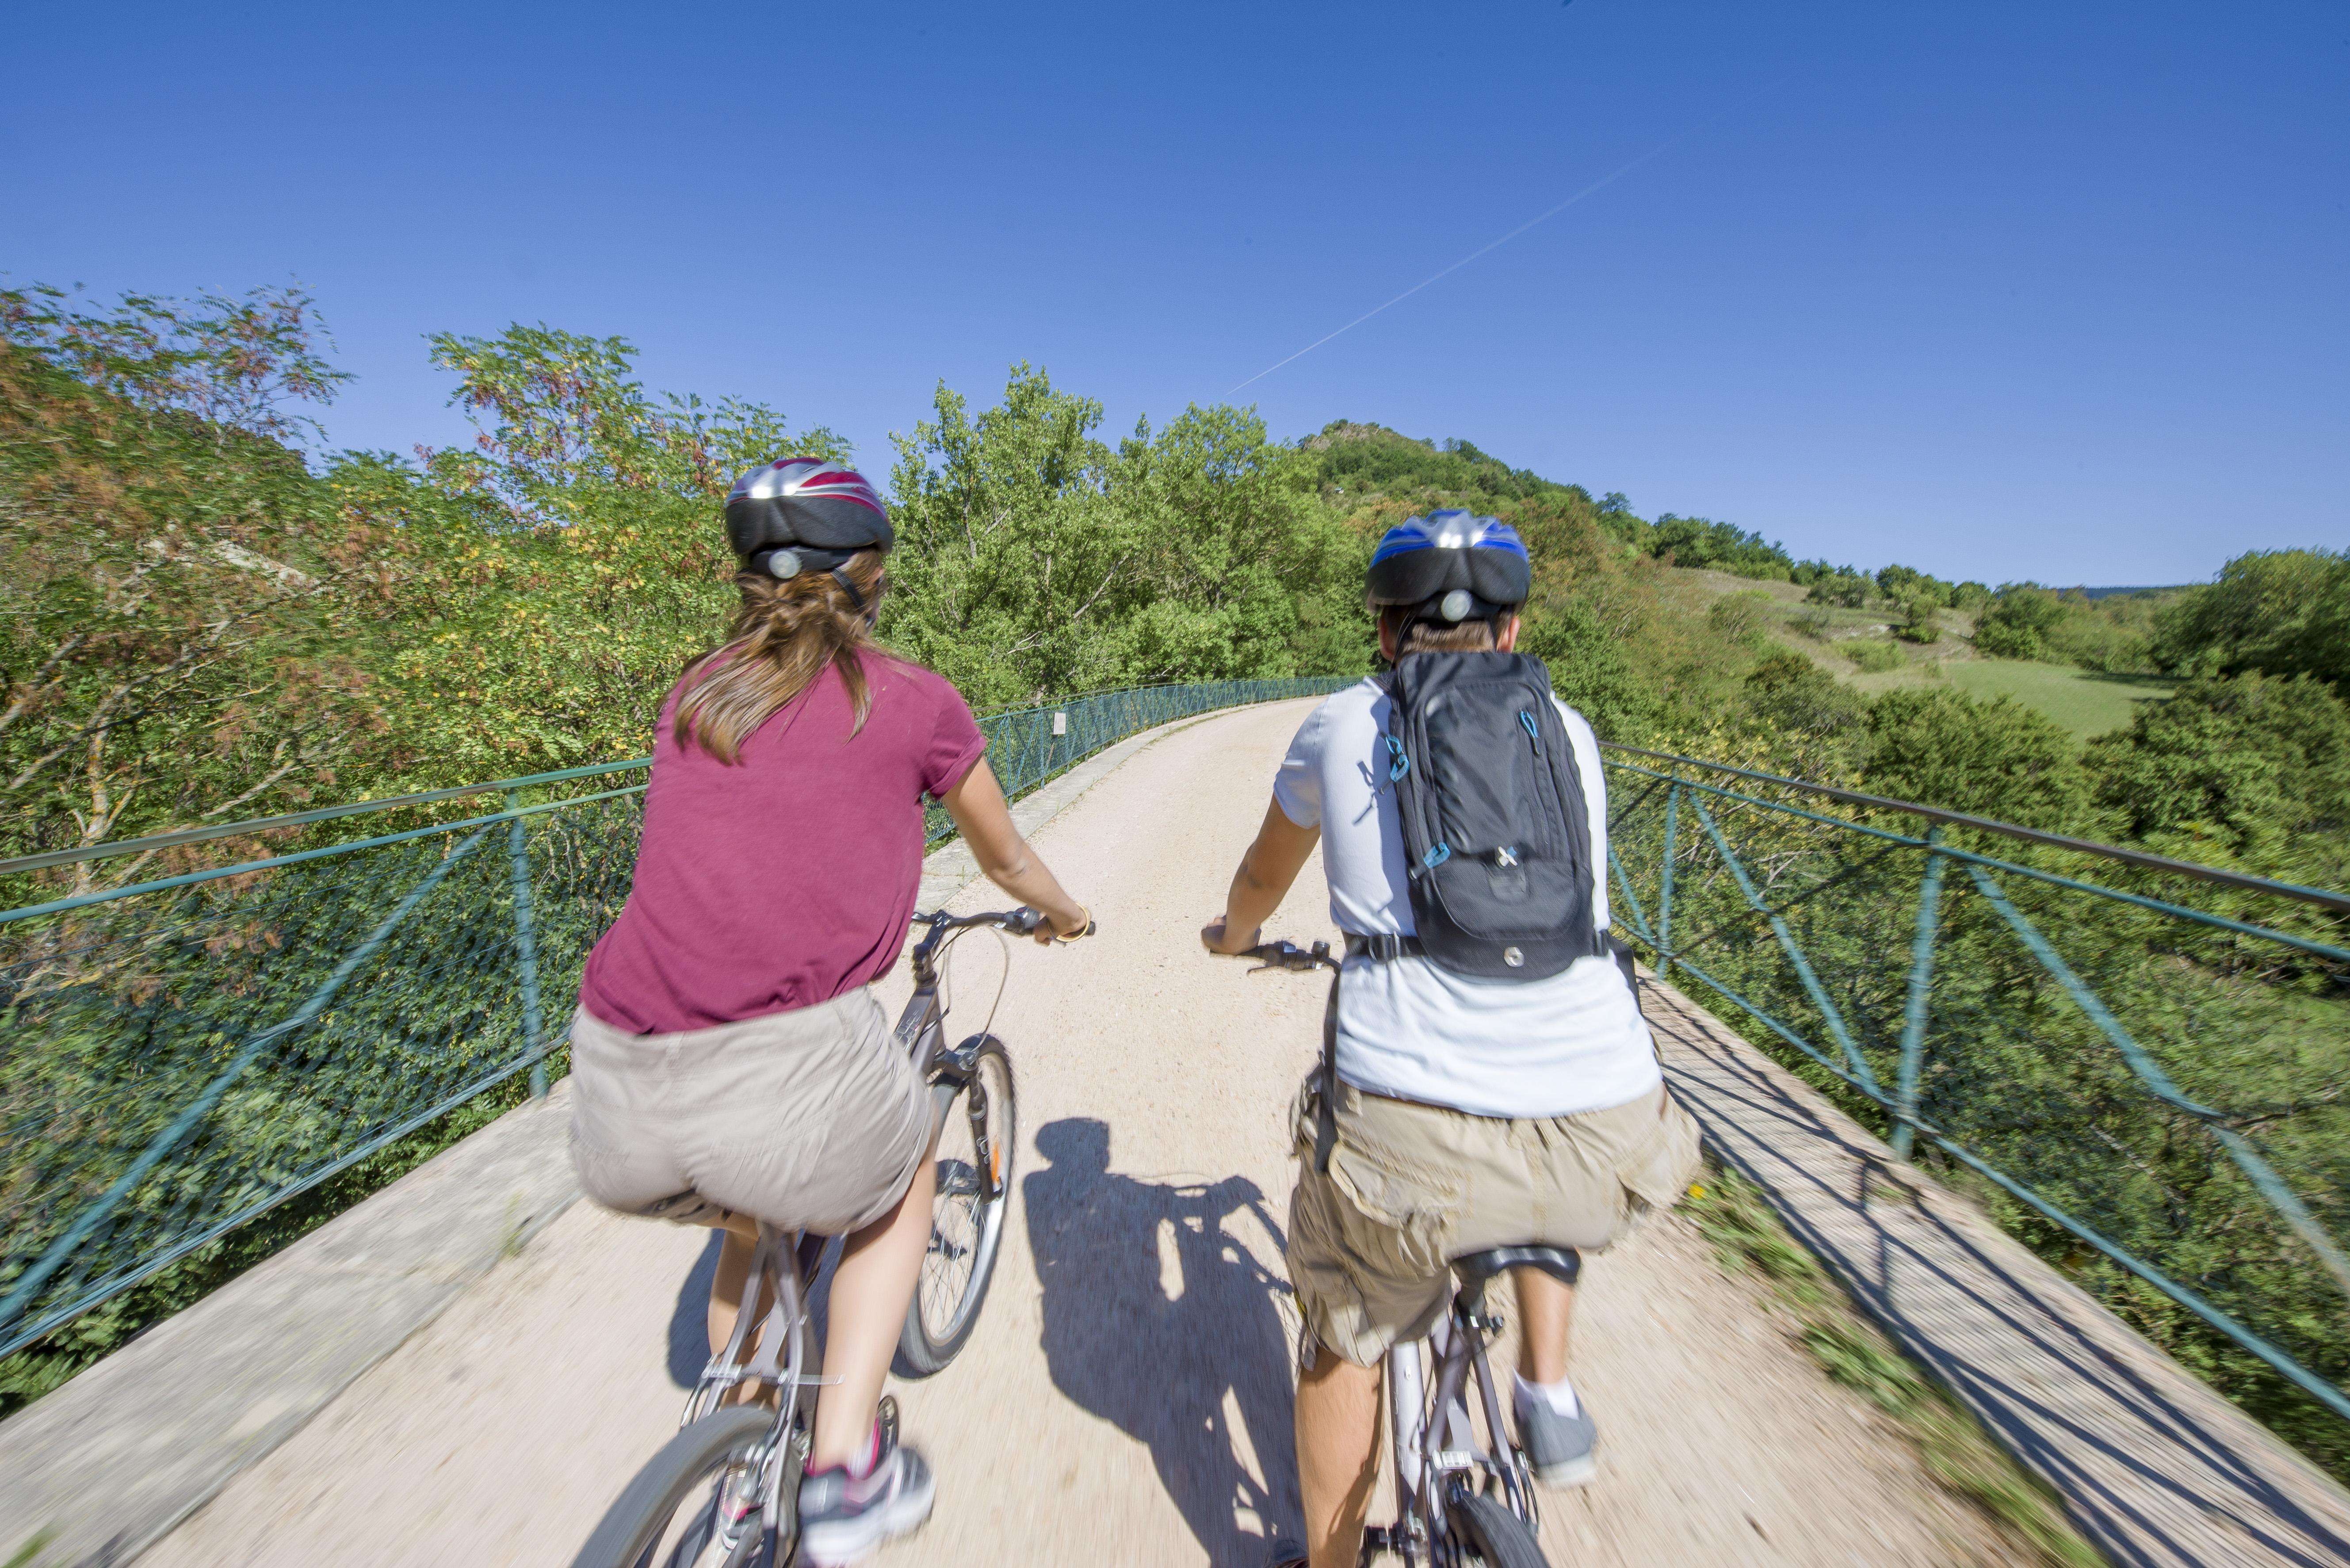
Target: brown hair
column 784, row 634
column 1429, row 637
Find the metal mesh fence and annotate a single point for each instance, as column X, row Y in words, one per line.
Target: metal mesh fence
column 2142, row 1073
column 178, row 1055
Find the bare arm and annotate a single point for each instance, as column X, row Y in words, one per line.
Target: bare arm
column 1268, row 868
column 986, row 822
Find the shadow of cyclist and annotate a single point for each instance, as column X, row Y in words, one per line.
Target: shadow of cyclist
column 1158, row 1319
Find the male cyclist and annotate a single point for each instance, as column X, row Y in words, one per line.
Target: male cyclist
column 1469, row 1111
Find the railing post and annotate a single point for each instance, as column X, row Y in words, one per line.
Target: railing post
column 1921, row 984
column 1665, row 889
column 534, row 1023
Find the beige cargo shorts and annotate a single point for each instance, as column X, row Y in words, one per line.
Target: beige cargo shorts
column 1412, row 1187
column 812, row 1119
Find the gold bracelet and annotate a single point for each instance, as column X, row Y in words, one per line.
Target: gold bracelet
column 1083, row 931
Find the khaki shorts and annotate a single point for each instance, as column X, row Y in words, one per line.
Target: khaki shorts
column 812, row 1119
column 1412, row 1187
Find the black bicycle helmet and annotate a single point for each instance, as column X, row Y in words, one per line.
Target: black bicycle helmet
column 805, row 514
column 1451, row 566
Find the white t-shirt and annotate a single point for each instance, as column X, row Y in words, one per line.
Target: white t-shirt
column 1570, row 1042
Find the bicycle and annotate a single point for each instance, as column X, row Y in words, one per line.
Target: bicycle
column 1456, row 1503
column 724, row 1492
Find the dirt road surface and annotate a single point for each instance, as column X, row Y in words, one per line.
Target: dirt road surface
column 1126, row 1398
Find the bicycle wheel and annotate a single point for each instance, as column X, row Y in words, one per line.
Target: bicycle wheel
column 1487, row 1532
column 696, row 1503
column 973, row 1193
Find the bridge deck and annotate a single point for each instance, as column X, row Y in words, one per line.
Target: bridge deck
column 1127, row 1397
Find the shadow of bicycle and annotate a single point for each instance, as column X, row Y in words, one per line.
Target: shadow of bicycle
column 1158, row 1319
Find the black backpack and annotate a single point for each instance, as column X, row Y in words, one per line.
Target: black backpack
column 1496, row 833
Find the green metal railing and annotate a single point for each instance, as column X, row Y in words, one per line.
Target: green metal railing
column 179, row 1055
column 2144, row 1064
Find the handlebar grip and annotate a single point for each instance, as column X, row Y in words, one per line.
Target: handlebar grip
column 1091, row 927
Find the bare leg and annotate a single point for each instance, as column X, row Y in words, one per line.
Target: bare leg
column 1338, row 1455
column 726, row 1286
column 1545, row 1307
column 871, row 1289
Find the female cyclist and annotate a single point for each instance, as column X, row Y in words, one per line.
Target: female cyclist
column 729, row 1061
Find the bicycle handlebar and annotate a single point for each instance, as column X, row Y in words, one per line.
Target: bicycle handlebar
column 1022, row 922
column 1289, row 956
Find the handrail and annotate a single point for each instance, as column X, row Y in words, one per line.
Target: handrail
column 2319, row 895
column 2157, row 1081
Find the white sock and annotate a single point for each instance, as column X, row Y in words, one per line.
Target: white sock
column 1559, row 1396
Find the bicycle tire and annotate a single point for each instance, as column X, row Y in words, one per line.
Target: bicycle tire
column 631, row 1528
column 965, row 1223
column 1485, row 1528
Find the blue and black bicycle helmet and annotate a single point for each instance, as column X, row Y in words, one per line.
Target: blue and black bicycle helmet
column 1451, row 566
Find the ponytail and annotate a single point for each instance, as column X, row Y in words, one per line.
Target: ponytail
column 784, row 634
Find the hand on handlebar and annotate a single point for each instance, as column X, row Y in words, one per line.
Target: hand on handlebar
column 1214, row 938
column 1033, row 923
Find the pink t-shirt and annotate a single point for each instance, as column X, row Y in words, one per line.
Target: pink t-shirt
column 786, row 880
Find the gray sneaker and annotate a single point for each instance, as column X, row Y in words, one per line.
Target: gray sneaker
column 1558, row 1446
column 845, row 1520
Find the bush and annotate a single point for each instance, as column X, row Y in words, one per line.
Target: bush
column 1842, row 586
column 1591, row 672
column 1922, row 627
column 2260, row 764
column 1996, row 759
column 1876, row 657
column 1788, row 693
column 1740, row 619
column 2284, row 612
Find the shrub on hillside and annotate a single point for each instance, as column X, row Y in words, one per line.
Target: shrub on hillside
column 1789, row 695
column 1590, row 671
column 1997, row 759
column 1740, row 619
column 1874, row 655
column 2028, row 621
column 1919, row 625
column 2248, row 766
column 1842, row 586
column 2284, row 612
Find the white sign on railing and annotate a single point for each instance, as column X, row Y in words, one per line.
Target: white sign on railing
column 1060, row 723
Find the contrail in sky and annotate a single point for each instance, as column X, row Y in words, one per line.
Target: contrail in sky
column 1594, row 187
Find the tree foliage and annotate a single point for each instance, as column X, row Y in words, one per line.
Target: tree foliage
column 1033, row 558
column 2284, row 612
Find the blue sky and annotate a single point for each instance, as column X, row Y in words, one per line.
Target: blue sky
column 1999, row 290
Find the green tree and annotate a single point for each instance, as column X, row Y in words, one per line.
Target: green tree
column 1591, row 673
column 1918, row 617
column 2019, row 623
column 1907, row 585
column 1034, row 559
column 182, row 598
column 2245, row 769
column 2285, row 612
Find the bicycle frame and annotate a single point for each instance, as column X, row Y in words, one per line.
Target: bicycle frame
column 782, row 1265
column 1435, row 1446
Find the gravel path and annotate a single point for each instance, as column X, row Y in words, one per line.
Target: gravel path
column 1127, row 1397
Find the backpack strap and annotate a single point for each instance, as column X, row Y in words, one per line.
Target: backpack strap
column 1385, row 947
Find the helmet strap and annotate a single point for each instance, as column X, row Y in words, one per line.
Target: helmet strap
column 842, row 579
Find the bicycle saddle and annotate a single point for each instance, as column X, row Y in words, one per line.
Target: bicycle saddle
column 1561, row 1263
